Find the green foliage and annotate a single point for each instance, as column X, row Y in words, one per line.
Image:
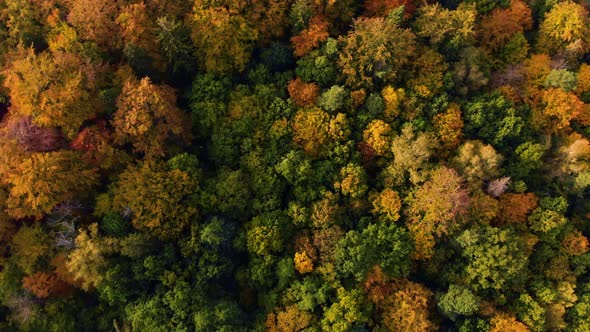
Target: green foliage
column 389, row 246
column 458, row 301
column 492, row 118
column 333, row 99
column 350, row 310
column 495, row 258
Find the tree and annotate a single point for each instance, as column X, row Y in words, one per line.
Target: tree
column 501, row 24
column 333, row 99
column 350, row 310
column 148, row 118
column 515, row 208
column 22, row 22
column 439, row 205
column 175, row 44
column 495, row 258
column 303, row 263
column 269, row 16
column 393, row 100
column 376, row 136
column 531, row 312
column 138, row 31
column 374, row 51
column 88, row 260
column 441, row 25
column 156, row 198
column 384, row 7
column 43, row 284
column 310, row 38
column 352, row 181
column 95, row 21
column 565, row 27
column 222, row 37
column 557, row 110
column 411, row 153
column 56, row 90
column 506, row 323
column 303, row 94
column 409, row 309
column 290, row 319
column 29, row 245
column 575, row 244
column 449, row 127
column 310, row 131
column 265, row 234
column 387, row 245
column 46, row 179
column 458, row 301
column 387, row 205
column 478, row 162
column 31, row 137
column 492, row 118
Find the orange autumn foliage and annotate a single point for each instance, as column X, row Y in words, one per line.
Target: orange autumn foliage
column 303, row 263
column 504, row 23
column 384, row 7
column 506, row 323
column 515, row 208
column 43, row 284
column 148, row 118
column 404, row 305
column 310, row 38
column 303, row 94
column 575, row 243
column 557, row 110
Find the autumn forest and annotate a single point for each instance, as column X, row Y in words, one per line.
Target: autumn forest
column 295, row 165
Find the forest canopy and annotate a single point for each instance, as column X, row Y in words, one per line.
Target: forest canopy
column 295, row 165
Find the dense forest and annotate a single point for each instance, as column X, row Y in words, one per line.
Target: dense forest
column 294, row 165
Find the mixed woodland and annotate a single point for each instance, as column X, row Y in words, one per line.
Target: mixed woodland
column 295, row 165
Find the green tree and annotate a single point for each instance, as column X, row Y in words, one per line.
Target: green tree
column 492, row 118
column 389, row 246
column 458, row 301
column 495, row 258
column 350, row 310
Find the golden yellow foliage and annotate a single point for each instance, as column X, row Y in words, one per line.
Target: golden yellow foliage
column 303, row 263
column 147, row 117
column 387, row 204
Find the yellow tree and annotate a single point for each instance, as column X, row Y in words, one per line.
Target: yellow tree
column 557, row 110
column 223, row 37
column 449, row 127
column 44, row 180
column 138, row 28
column 436, row 208
column 311, row 131
column 565, row 27
column 387, row 205
column 148, row 118
column 156, row 198
column 95, row 20
column 376, row 136
column 87, row 261
column 374, row 51
column 56, row 90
